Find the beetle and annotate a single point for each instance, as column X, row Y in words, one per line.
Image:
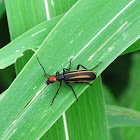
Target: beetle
column 71, row 76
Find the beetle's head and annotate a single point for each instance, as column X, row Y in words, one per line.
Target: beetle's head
column 51, row 79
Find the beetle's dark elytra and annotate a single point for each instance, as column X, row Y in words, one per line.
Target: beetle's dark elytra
column 79, row 76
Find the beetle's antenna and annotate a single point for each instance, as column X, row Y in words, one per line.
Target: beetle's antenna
column 96, row 66
column 42, row 67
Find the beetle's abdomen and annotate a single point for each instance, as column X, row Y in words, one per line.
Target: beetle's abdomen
column 79, row 76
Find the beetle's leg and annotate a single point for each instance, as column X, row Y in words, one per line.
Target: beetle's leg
column 57, row 73
column 81, row 66
column 96, row 66
column 70, row 64
column 56, row 94
column 72, row 90
column 64, row 70
column 69, row 67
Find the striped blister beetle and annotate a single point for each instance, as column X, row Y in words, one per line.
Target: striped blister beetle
column 71, row 76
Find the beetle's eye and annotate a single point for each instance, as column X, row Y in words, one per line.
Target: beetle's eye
column 52, row 81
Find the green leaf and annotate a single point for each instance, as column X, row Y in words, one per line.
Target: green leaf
column 31, row 39
column 23, row 15
column 119, row 116
column 57, row 7
column 56, row 132
column 85, row 33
